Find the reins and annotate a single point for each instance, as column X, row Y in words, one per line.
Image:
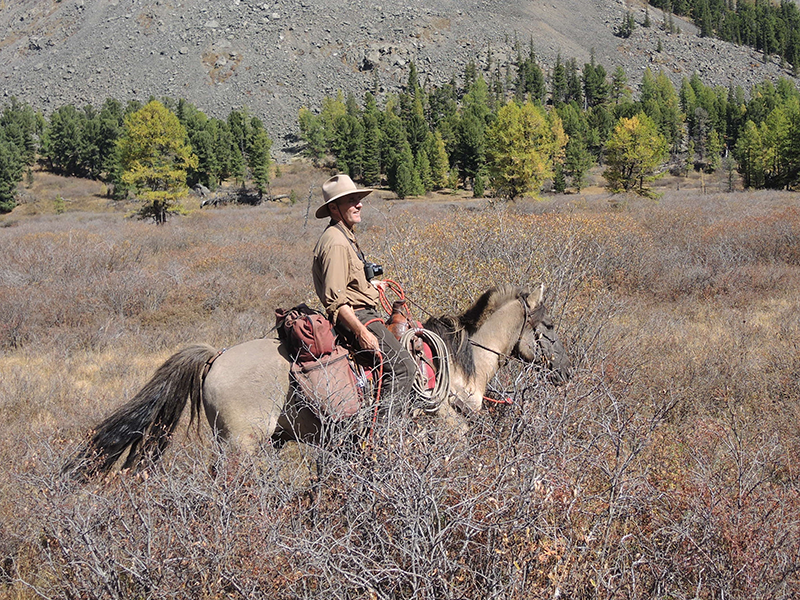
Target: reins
column 523, row 300
column 526, row 315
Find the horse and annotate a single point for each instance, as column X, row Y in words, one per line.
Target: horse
column 247, row 397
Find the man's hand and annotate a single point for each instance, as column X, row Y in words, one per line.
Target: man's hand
column 365, row 338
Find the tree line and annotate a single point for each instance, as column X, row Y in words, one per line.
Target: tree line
column 513, row 131
column 154, row 151
column 772, row 28
column 510, row 129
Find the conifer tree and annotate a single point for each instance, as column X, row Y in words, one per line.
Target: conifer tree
column 258, row 155
column 574, row 86
column 440, row 164
column 750, row 154
column 312, row 132
column 371, row 169
column 154, row 156
column 11, row 167
column 595, row 86
column 559, row 179
column 633, row 152
column 406, row 181
column 619, row 83
column 393, row 145
column 478, row 186
column 522, row 148
column 577, row 161
column 558, row 91
column 422, row 166
column 64, row 141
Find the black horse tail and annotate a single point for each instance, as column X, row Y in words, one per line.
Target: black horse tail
column 145, row 425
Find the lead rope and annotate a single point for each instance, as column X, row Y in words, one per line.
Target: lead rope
column 431, row 399
column 378, row 387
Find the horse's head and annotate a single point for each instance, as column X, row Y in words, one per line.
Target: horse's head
column 538, row 341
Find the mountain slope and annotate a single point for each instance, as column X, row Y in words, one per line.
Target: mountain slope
column 275, row 56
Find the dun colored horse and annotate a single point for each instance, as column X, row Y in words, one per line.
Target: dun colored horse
column 247, row 396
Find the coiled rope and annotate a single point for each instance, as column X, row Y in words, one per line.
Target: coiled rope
column 432, row 399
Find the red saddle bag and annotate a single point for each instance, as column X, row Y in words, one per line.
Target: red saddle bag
column 320, row 367
column 329, row 385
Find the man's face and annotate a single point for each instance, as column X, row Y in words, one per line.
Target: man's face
column 347, row 210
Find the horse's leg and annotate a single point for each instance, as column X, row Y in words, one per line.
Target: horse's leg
column 298, row 422
column 245, row 393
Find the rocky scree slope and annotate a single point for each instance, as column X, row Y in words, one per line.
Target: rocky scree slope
column 275, row 56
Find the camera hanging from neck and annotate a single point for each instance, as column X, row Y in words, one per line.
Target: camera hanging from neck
column 371, row 270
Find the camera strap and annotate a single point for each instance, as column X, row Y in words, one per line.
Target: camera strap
column 353, row 243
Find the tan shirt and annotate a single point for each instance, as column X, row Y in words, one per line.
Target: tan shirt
column 339, row 273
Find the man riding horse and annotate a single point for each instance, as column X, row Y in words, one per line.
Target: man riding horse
column 342, row 280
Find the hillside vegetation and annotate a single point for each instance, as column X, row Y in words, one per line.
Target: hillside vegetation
column 667, row 469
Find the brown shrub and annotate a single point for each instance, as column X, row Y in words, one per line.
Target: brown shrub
column 668, row 467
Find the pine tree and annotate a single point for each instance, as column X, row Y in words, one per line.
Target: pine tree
column 416, row 126
column 348, row 145
column 713, row 151
column 574, row 86
column 258, row 155
column 478, row 186
column 11, row 167
column 312, row 132
column 64, row 141
column 559, row 82
column 619, row 84
column 691, row 155
column 422, row 166
column 202, row 143
column 559, row 180
column 440, row 164
column 470, row 147
column 577, row 161
column 595, row 86
column 393, row 145
column 750, row 154
column 407, row 181
column 371, row 173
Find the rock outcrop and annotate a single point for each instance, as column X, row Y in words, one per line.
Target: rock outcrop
column 275, row 56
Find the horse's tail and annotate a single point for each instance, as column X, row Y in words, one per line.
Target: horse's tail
column 145, row 425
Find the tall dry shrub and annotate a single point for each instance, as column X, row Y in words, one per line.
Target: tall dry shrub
column 666, row 469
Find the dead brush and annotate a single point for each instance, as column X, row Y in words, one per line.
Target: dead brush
column 667, row 469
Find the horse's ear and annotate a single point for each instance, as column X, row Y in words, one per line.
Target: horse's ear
column 538, row 295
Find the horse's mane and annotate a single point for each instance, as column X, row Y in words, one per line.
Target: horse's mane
column 456, row 330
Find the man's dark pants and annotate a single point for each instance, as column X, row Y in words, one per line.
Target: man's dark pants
column 399, row 369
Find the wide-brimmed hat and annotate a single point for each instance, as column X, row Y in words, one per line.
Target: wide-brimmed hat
column 337, row 187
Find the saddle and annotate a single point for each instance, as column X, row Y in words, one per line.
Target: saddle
column 330, row 378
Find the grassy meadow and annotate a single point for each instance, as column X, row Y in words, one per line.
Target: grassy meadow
column 668, row 468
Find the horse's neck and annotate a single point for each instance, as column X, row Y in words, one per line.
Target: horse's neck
column 499, row 334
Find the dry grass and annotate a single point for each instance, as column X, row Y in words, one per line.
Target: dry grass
column 668, row 469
